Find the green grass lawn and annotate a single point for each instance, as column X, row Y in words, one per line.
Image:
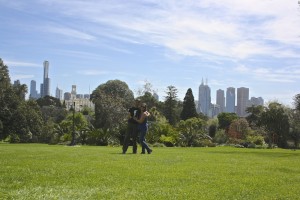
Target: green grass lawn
column 37, row 171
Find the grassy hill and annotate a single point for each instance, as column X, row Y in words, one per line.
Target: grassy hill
column 37, row 171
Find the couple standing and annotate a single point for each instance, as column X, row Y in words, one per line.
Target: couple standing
column 137, row 123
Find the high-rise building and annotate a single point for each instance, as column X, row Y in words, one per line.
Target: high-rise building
column 73, row 92
column 58, row 93
column 230, row 100
column 45, row 87
column 204, row 99
column 17, row 83
column 242, row 101
column 221, row 100
column 33, row 91
column 67, row 96
column 259, row 101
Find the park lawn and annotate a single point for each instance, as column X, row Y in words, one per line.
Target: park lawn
column 39, row 171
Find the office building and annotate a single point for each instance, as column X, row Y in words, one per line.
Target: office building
column 45, row 87
column 33, row 92
column 204, row 99
column 242, row 101
column 230, row 100
column 220, row 100
column 59, row 94
column 259, row 101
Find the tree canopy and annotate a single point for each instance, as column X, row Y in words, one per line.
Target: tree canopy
column 189, row 107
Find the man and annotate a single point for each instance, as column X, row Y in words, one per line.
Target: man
column 132, row 127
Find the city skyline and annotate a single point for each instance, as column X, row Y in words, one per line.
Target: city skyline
column 250, row 43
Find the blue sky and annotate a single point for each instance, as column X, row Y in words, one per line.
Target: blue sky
column 231, row 43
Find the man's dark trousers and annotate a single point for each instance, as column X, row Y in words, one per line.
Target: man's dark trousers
column 132, row 132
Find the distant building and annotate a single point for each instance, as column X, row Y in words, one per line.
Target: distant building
column 215, row 110
column 59, row 94
column 204, row 99
column 73, row 92
column 155, row 95
column 259, row 101
column 79, row 104
column 45, row 87
column 67, row 96
column 17, row 83
column 33, row 92
column 86, row 96
column 230, row 100
column 242, row 101
column 79, row 96
column 220, row 100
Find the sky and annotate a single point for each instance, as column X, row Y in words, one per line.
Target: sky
column 228, row 43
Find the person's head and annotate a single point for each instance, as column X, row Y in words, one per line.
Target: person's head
column 143, row 106
column 137, row 102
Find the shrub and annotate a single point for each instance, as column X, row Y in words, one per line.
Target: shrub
column 220, row 137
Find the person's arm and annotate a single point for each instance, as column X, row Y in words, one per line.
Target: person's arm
column 141, row 119
column 147, row 113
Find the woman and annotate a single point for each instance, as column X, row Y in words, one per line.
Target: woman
column 143, row 128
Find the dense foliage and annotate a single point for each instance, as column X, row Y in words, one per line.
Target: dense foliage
column 172, row 122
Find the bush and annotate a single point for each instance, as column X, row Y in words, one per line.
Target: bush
column 220, row 137
column 167, row 140
column 157, row 144
column 13, row 138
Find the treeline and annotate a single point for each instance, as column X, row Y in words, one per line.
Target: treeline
column 172, row 122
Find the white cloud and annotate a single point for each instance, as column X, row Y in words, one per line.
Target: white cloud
column 69, row 32
column 11, row 63
column 21, row 76
column 90, row 72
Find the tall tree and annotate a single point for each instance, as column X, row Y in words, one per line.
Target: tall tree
column 112, row 100
column 189, row 107
column 170, row 105
column 254, row 117
column 276, row 122
column 225, row 120
column 297, row 102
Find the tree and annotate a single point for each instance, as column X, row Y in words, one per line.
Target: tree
column 170, row 105
column 192, row 131
column 238, row 129
column 112, row 100
column 49, row 101
column 149, row 99
column 297, row 102
column 276, row 123
column 225, row 120
column 254, row 117
column 295, row 126
column 189, row 107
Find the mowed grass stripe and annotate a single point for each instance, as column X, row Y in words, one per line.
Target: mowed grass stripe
column 37, row 171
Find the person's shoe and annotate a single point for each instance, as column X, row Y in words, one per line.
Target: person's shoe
column 142, row 152
column 150, row 151
column 123, row 152
column 134, row 152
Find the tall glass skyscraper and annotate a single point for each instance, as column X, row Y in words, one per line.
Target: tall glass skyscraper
column 242, row 101
column 221, row 100
column 204, row 100
column 33, row 91
column 45, row 87
column 230, row 100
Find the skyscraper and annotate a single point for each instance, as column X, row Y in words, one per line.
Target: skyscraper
column 45, row 87
column 58, row 93
column 230, row 100
column 221, row 100
column 73, row 92
column 242, row 101
column 204, row 99
column 33, row 91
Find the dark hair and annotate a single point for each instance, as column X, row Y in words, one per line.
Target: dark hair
column 144, row 105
